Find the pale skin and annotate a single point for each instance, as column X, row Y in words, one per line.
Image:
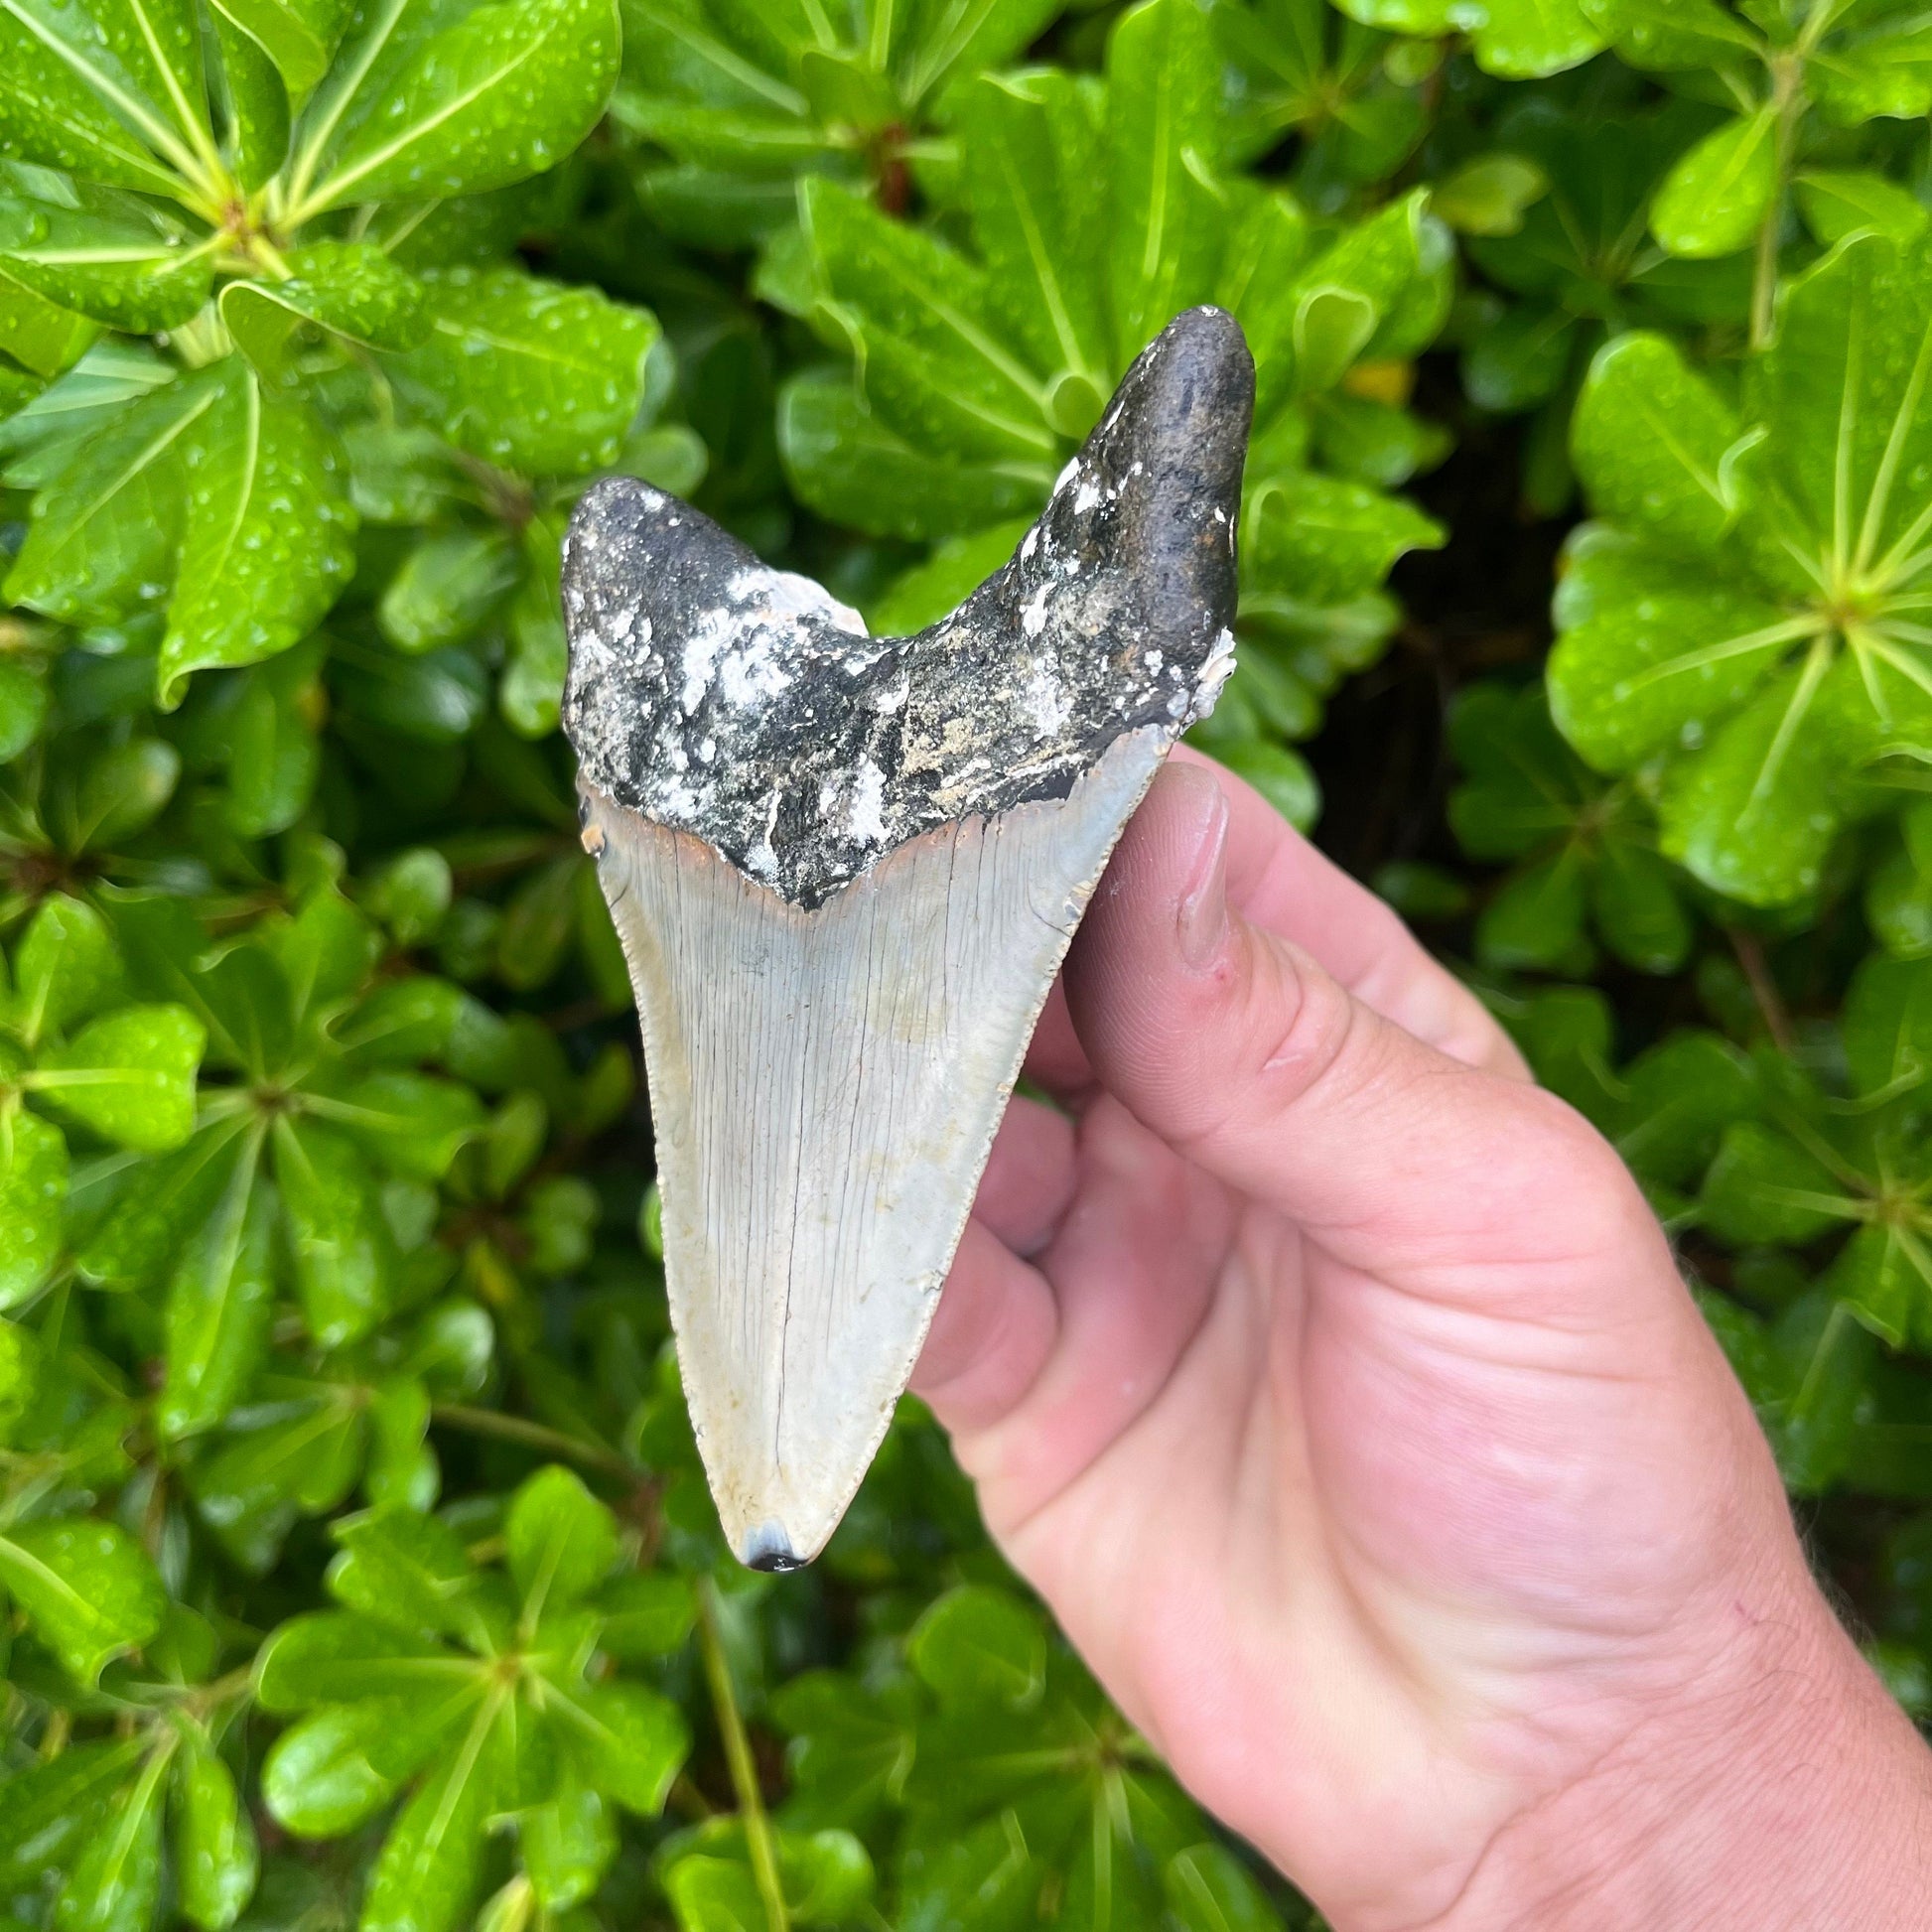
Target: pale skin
column 1337, row 1390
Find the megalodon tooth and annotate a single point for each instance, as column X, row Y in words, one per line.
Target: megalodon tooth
column 845, row 870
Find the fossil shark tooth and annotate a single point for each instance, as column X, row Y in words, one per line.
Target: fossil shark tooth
column 845, row 870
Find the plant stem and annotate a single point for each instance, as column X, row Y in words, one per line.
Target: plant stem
column 738, row 1755
column 537, row 1435
column 1788, row 96
column 238, row 1683
column 1764, row 989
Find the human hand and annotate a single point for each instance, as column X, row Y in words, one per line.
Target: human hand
column 1338, row 1389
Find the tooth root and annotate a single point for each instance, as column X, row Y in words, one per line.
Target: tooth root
column 825, row 1086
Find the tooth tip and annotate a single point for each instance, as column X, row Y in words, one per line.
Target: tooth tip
column 769, row 1548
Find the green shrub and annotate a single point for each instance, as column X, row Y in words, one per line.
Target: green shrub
column 355, row 1566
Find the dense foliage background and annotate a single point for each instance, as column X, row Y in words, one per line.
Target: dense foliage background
column 354, row 1565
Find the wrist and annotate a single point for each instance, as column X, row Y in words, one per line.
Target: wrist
column 1784, row 1791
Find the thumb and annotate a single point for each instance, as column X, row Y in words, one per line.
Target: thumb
column 1240, row 1051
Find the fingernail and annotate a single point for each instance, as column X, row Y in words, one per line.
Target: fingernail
column 1201, row 924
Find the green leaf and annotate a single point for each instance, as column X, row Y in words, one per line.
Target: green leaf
column 326, row 952
column 1164, row 99
column 1764, row 1186
column 37, row 442
column 120, row 264
column 920, row 317
column 528, row 373
column 561, row 1540
column 33, row 1189
column 1524, row 788
column 1820, row 1400
column 1487, row 195
column 406, row 1569
column 258, row 103
column 448, row 587
column 1714, row 201
column 121, row 790
column 115, row 1882
column 1652, row 643
column 37, row 334
column 1652, row 443
column 55, row 1806
column 1208, row 1889
column 74, row 91
column 86, row 1588
column 500, row 93
column 317, row 1780
column 158, row 43
column 216, row 1857
column 218, row 1303
column 402, row 1468
column 1523, row 38
column 1259, row 283
column 426, row 1877
column 1681, row 1095
column 1324, row 541
column 23, row 708
column 538, row 924
column 849, row 1754
column 715, row 1896
column 1881, row 71
column 129, row 1076
column 1029, row 150
column 647, row 1614
column 849, row 464
column 1536, row 919
column 101, row 545
column 302, row 1459
column 978, row 1645
column 1754, row 814
column 568, row 1843
column 412, row 1123
column 298, row 36
column 1522, row 360
column 1843, row 392
column 1635, row 898
column 401, row 1021
column 936, row 587
column 1838, row 203
column 337, row 1656
column 515, row 1138
column 531, row 696
column 265, row 542
column 627, row 1742
column 348, row 288
column 67, row 968
column 1899, row 891
column 274, row 756
column 827, row 1877
column 149, row 1224
column 345, row 1256
column 21, row 1360
column 1883, row 1275
column 1668, row 35
column 1887, row 1025
column 409, row 894
column 434, row 698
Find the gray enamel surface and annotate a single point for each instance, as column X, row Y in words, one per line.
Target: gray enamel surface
column 747, row 707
